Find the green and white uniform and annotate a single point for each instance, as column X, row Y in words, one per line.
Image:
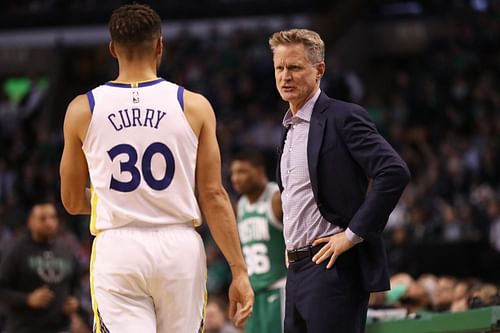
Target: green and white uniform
column 264, row 249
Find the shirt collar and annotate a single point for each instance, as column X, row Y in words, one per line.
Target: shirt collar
column 304, row 113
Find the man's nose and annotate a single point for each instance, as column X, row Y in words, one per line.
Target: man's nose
column 287, row 75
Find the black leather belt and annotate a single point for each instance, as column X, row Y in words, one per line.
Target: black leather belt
column 303, row 252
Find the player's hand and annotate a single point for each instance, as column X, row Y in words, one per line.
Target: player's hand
column 241, row 299
column 70, row 305
column 334, row 247
column 40, row 298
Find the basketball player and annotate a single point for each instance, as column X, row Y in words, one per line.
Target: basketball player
column 149, row 146
column 260, row 228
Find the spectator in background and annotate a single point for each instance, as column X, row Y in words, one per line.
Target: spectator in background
column 20, row 97
column 39, row 278
column 6, row 235
column 429, row 282
column 218, row 272
column 494, row 216
column 461, row 294
column 444, row 294
column 405, row 293
column 485, row 294
column 216, row 320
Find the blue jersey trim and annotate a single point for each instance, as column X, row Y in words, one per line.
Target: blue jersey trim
column 150, row 83
column 180, row 96
column 131, row 85
column 91, row 99
column 118, row 85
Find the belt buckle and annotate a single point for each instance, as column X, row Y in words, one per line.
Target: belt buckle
column 294, row 254
column 291, row 255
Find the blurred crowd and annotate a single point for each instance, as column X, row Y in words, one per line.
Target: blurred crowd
column 439, row 108
column 431, row 293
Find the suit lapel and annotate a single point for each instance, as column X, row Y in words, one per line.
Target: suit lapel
column 315, row 139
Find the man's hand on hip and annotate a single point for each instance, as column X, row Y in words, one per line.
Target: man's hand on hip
column 334, row 247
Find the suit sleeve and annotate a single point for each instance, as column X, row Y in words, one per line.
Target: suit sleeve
column 379, row 161
column 10, row 297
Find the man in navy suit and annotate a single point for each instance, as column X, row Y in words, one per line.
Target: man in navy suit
column 330, row 151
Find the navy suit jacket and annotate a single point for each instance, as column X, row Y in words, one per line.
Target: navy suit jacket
column 344, row 152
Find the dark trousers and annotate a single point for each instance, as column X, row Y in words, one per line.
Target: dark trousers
column 320, row 300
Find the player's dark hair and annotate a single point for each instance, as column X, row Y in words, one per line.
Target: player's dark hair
column 134, row 24
column 251, row 156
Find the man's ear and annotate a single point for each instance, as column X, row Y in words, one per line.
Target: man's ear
column 320, row 70
column 159, row 46
column 112, row 49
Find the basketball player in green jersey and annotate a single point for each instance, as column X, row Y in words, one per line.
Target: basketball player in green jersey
column 260, row 228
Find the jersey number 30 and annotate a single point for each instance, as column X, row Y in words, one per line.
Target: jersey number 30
column 147, row 173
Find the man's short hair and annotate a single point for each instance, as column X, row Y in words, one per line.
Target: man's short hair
column 251, row 156
column 41, row 202
column 134, row 24
column 313, row 44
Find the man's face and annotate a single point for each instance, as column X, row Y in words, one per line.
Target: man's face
column 43, row 222
column 296, row 77
column 244, row 176
column 443, row 297
column 214, row 318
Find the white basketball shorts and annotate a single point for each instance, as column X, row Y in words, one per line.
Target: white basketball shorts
column 148, row 280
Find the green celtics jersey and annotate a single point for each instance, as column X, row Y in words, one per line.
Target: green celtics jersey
column 261, row 236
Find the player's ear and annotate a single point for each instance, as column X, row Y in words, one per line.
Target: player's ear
column 112, row 49
column 159, row 46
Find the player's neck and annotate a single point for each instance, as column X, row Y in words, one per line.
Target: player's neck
column 254, row 195
column 136, row 72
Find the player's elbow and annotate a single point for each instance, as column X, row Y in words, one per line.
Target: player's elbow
column 211, row 195
column 70, row 205
column 72, row 202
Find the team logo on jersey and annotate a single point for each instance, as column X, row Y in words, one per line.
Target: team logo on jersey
column 50, row 268
column 135, row 96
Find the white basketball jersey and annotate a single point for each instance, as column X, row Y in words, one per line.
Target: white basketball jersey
column 141, row 154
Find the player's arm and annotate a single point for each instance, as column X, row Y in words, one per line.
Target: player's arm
column 73, row 169
column 215, row 203
column 276, row 206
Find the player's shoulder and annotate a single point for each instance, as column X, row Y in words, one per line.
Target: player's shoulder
column 80, row 103
column 78, row 116
column 79, row 99
column 269, row 191
column 272, row 187
column 242, row 202
column 198, row 111
column 195, row 101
